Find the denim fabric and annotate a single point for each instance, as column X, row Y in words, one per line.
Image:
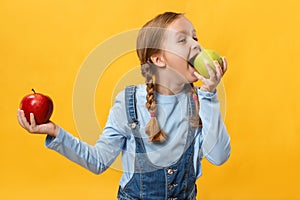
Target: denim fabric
column 152, row 182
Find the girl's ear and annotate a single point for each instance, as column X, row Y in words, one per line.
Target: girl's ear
column 158, row 60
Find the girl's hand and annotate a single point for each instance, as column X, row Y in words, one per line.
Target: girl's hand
column 211, row 83
column 49, row 128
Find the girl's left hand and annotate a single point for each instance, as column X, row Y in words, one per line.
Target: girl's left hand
column 48, row 128
column 211, row 83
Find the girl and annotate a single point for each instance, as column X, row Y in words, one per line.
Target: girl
column 163, row 128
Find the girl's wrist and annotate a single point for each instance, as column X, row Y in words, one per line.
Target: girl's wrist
column 205, row 89
column 54, row 132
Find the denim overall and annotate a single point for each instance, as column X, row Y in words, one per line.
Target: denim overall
column 151, row 182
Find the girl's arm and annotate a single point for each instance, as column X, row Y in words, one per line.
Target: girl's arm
column 95, row 158
column 216, row 141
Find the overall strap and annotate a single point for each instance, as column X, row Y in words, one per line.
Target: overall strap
column 130, row 103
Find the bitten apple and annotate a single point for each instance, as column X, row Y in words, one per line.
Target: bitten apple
column 206, row 56
column 38, row 104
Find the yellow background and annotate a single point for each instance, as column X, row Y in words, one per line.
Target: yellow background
column 43, row 44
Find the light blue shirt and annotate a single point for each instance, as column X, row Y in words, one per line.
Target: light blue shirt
column 172, row 115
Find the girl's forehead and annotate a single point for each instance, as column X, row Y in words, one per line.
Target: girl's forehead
column 183, row 25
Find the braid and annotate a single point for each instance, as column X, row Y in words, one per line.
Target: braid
column 149, row 42
column 147, row 73
column 195, row 120
column 150, row 104
column 152, row 128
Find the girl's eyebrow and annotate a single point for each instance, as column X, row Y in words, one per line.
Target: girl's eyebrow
column 185, row 32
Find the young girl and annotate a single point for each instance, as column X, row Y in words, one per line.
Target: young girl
column 163, row 128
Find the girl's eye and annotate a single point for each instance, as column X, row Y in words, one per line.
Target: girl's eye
column 182, row 40
column 196, row 39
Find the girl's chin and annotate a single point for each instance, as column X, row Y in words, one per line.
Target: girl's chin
column 194, row 78
column 192, row 70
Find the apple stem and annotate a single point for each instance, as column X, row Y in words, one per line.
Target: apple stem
column 33, row 90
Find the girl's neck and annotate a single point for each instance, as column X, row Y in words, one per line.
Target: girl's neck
column 167, row 90
column 168, row 82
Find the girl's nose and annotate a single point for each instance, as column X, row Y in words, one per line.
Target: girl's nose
column 196, row 47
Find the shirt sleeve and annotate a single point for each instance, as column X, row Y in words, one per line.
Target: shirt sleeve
column 96, row 158
column 216, row 141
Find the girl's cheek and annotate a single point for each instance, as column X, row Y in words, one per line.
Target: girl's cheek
column 177, row 49
column 185, row 54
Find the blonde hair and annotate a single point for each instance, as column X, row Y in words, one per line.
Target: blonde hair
column 149, row 42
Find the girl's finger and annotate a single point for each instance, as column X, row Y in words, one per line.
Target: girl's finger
column 219, row 71
column 19, row 114
column 24, row 120
column 32, row 120
column 211, row 72
column 225, row 64
column 200, row 77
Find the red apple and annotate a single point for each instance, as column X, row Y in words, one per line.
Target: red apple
column 38, row 104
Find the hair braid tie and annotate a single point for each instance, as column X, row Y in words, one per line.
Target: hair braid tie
column 195, row 98
column 196, row 120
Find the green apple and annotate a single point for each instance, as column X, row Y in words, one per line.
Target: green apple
column 206, row 56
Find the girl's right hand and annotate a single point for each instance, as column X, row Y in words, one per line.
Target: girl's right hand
column 49, row 128
column 211, row 83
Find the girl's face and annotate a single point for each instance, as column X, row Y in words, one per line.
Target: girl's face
column 179, row 46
